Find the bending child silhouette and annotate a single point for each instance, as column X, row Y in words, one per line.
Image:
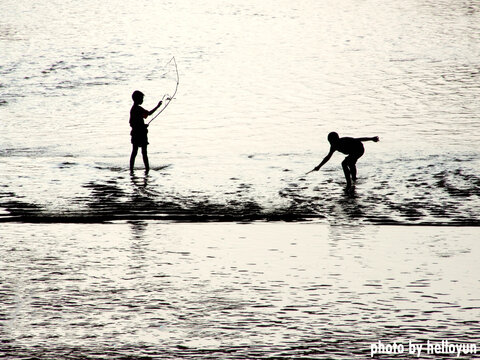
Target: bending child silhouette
column 352, row 147
column 139, row 128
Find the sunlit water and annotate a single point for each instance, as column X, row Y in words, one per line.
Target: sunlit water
column 227, row 291
column 260, row 85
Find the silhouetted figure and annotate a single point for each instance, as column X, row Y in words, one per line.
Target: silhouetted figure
column 139, row 128
column 352, row 147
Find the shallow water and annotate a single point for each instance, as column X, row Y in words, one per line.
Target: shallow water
column 260, row 87
column 257, row 291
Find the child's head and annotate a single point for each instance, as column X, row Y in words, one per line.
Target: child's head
column 137, row 97
column 333, row 137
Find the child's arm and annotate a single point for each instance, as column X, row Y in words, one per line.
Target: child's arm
column 155, row 108
column 375, row 139
column 324, row 161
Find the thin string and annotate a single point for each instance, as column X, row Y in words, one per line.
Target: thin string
column 169, row 98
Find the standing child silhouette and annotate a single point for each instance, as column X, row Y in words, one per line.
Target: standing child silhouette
column 353, row 148
column 139, row 128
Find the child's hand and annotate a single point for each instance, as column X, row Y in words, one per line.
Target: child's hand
column 160, row 103
column 375, row 138
column 316, row 168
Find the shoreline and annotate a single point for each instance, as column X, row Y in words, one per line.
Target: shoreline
column 215, row 218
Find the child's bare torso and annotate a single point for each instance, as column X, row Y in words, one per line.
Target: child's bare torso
column 349, row 146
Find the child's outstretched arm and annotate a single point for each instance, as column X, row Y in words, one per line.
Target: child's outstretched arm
column 324, row 161
column 375, row 139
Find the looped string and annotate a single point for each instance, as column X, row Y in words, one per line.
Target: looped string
column 168, row 97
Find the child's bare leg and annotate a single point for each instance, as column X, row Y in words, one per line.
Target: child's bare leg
column 346, row 171
column 145, row 158
column 133, row 156
column 351, row 161
column 353, row 171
